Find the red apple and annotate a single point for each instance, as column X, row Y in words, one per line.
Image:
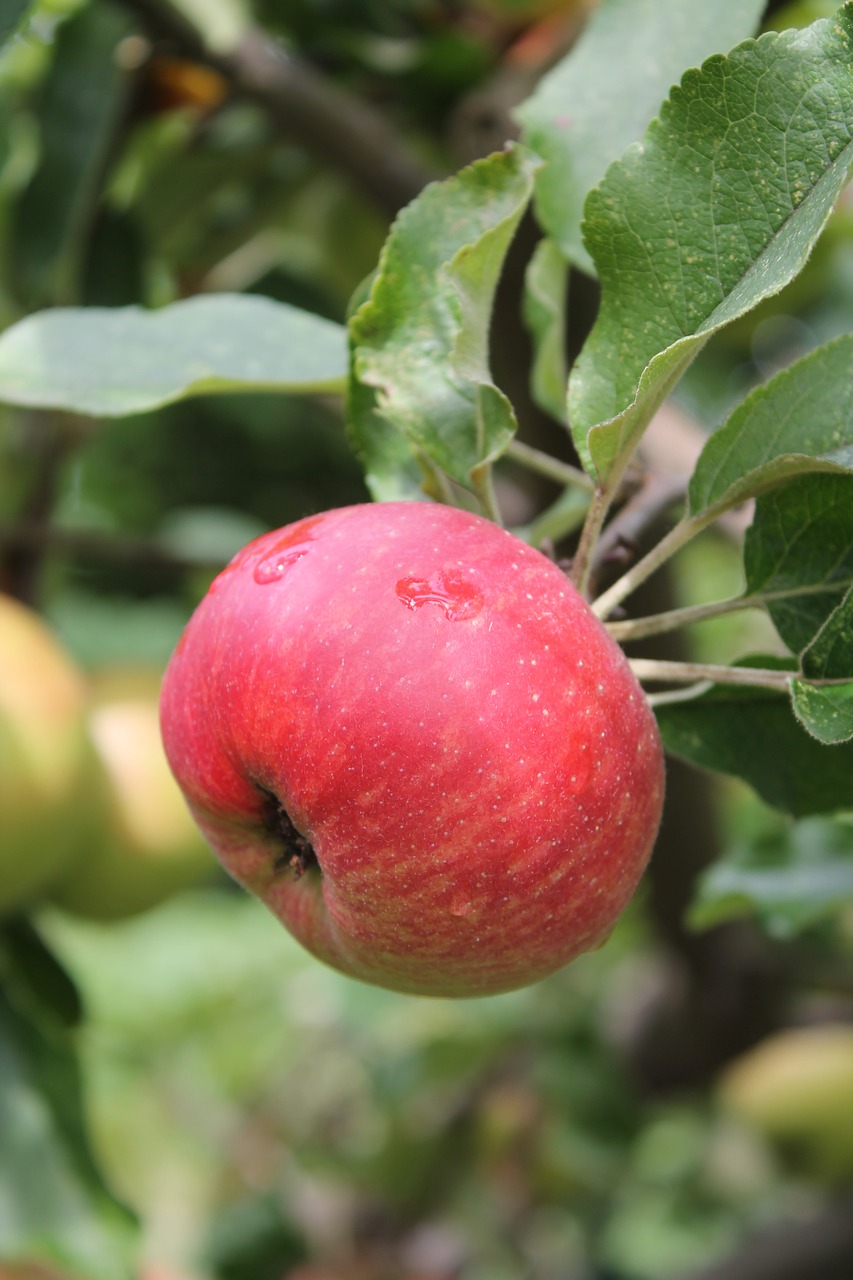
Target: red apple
column 403, row 729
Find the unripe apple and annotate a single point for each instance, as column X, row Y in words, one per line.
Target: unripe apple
column 796, row 1088
column 404, row 730
column 43, row 755
column 146, row 846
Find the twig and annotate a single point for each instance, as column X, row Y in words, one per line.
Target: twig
column 323, row 116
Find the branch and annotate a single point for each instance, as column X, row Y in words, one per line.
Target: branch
column 302, row 103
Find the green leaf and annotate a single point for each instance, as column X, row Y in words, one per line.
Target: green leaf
column 830, row 655
column 53, row 1203
column 717, row 208
column 39, row 978
column 420, row 341
column 800, row 421
column 545, row 290
column 826, row 712
column 790, row 878
column 798, row 552
column 80, row 110
column 113, row 362
column 579, row 120
column 753, row 734
column 392, row 471
column 798, row 555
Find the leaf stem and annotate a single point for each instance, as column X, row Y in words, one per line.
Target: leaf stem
column 679, row 695
column 689, row 672
column 546, row 465
column 595, row 517
column 485, row 486
column 655, row 670
column 678, row 536
column 660, row 623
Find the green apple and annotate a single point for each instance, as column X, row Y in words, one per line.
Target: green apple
column 44, row 758
column 796, row 1088
column 147, row 847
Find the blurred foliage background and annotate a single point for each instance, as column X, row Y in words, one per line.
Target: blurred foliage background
column 185, row 1095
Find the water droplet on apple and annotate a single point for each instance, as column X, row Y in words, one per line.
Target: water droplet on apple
column 273, row 568
column 289, row 548
column 458, row 599
column 460, row 904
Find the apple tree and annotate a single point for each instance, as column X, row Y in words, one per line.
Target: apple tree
column 581, row 275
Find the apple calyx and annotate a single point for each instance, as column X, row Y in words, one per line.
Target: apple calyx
column 298, row 853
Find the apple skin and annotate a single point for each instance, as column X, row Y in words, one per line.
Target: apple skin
column 420, row 712
column 45, row 760
column 146, row 846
